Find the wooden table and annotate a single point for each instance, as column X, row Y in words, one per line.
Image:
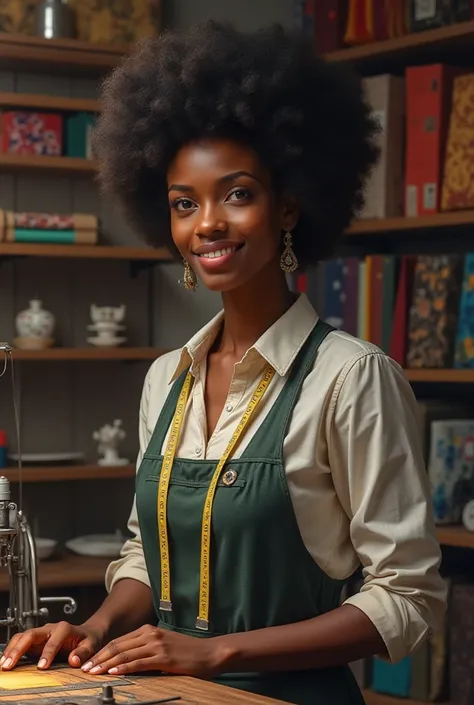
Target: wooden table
column 191, row 690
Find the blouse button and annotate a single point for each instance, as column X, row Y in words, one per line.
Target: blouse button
column 229, row 408
column 198, row 450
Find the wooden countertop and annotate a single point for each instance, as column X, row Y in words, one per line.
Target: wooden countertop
column 191, row 690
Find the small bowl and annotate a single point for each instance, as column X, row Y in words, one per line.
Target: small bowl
column 45, row 548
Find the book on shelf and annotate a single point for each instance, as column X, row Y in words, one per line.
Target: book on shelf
column 52, row 228
column 417, row 308
column 458, row 182
column 434, row 311
column 383, row 195
column 428, row 106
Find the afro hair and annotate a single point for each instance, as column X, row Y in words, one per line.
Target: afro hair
column 306, row 118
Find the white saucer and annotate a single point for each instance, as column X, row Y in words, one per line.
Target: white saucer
column 103, row 342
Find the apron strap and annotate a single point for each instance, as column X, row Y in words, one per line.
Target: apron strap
column 268, row 441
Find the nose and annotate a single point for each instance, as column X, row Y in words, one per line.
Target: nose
column 211, row 222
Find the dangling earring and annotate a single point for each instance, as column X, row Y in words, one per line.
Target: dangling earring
column 190, row 279
column 288, row 261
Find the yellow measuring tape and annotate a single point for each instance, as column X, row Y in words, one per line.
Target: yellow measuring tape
column 165, row 600
column 202, row 621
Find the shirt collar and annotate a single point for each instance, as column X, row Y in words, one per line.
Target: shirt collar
column 279, row 345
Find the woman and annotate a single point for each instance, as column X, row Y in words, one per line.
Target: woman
column 277, row 454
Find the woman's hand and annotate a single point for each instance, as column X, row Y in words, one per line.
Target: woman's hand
column 78, row 643
column 152, row 649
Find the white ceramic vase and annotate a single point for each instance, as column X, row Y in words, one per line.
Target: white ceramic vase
column 35, row 321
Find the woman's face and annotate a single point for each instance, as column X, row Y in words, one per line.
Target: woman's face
column 225, row 218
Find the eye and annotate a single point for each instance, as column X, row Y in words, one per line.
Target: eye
column 239, row 194
column 182, row 204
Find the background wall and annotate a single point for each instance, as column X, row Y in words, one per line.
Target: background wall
column 245, row 14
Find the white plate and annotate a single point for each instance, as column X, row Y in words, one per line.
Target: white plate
column 47, row 457
column 106, row 545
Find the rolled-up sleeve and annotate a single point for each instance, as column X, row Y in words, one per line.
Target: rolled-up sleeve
column 131, row 563
column 379, row 474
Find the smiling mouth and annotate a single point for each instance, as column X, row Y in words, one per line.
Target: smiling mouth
column 220, row 253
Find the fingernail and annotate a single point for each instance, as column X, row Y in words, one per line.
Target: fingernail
column 7, row 663
column 2, row 660
column 42, row 663
column 96, row 669
column 113, row 670
column 87, row 666
column 76, row 660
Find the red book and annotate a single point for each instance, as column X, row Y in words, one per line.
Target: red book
column 330, row 17
column 398, row 341
column 376, row 300
column 381, row 17
column 31, row 133
column 428, row 105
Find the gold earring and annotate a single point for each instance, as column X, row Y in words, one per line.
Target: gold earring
column 190, row 279
column 288, row 261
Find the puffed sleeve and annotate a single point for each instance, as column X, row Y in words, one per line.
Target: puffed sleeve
column 379, row 474
column 131, row 563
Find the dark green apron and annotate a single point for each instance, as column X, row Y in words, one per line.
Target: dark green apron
column 261, row 572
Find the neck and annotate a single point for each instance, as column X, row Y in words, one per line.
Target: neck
column 251, row 309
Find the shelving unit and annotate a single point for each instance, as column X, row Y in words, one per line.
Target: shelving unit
column 440, row 376
column 456, row 536
column 67, row 571
column 417, row 48
column 64, row 165
column 426, row 223
column 68, row 473
column 453, row 44
column 88, row 354
column 61, row 56
column 36, row 101
column 14, row 249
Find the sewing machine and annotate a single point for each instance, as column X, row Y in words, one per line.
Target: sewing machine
column 18, row 551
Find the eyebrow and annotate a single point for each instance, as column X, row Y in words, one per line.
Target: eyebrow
column 228, row 177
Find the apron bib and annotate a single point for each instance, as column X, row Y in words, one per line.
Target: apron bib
column 261, row 574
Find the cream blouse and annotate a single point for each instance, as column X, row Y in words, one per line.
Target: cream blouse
column 353, row 462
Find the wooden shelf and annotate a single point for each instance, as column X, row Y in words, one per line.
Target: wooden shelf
column 66, row 571
column 64, row 165
column 429, row 375
column 48, row 102
column 419, row 47
column 372, row 698
column 455, row 536
column 66, row 56
column 425, row 223
column 67, row 473
column 15, row 249
column 91, row 353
